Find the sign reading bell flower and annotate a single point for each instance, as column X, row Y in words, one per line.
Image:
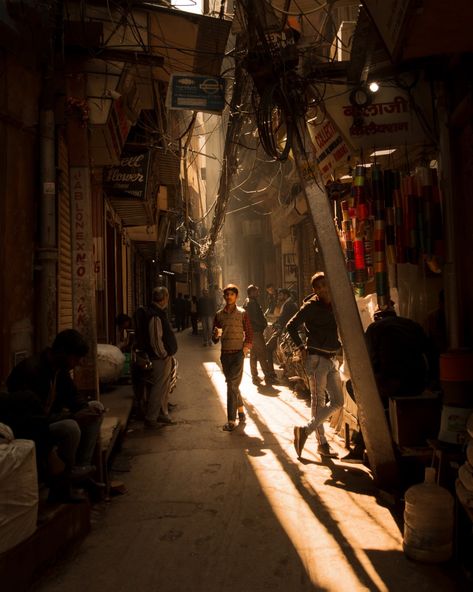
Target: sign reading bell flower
column 129, row 178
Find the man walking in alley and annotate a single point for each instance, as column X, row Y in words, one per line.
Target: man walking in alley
column 206, row 311
column 155, row 337
column 319, row 356
column 258, row 323
column 180, row 312
column 233, row 327
column 288, row 309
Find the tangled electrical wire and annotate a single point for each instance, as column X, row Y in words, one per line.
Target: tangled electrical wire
column 277, row 109
column 279, row 92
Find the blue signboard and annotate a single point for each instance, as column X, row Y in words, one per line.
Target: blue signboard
column 196, row 92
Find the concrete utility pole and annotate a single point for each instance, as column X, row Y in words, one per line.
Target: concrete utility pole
column 83, row 280
column 371, row 414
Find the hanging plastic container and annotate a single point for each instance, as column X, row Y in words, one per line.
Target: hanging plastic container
column 428, row 521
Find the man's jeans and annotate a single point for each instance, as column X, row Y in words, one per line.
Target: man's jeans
column 76, row 441
column 324, row 380
column 232, row 366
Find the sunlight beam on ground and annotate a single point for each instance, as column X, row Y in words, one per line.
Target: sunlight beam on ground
column 315, row 544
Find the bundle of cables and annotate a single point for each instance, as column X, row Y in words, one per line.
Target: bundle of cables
column 275, row 121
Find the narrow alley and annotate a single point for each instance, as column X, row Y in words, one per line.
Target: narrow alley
column 212, row 511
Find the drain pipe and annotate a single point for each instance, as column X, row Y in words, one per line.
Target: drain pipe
column 47, row 250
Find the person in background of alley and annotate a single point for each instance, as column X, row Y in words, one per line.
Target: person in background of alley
column 319, row 353
column 271, row 299
column 217, row 296
column 232, row 327
column 206, row 311
column 403, row 361
column 187, row 310
column 401, row 355
column 125, row 336
column 258, row 323
column 287, row 309
column 74, row 423
column 180, row 312
column 194, row 315
column 125, row 332
column 155, row 338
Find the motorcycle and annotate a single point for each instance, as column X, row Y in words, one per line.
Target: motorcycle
column 291, row 362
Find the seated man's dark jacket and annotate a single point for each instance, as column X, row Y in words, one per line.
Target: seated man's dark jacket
column 36, row 374
column 400, row 355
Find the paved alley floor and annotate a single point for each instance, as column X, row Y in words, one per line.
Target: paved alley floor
column 212, row 511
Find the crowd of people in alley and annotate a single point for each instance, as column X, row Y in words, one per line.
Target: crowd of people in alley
column 44, row 404
column 402, row 355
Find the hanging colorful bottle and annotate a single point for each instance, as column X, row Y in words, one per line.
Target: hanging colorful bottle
column 361, row 216
column 347, row 236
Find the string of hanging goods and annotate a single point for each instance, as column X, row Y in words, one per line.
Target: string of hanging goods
column 361, row 216
column 347, row 237
column 388, row 220
column 389, row 183
column 380, row 267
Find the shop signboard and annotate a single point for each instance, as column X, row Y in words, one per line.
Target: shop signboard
column 387, row 119
column 331, row 150
column 196, row 92
column 129, row 178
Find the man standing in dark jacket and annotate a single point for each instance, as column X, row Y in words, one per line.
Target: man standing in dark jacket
column 258, row 322
column 157, row 339
column 319, row 356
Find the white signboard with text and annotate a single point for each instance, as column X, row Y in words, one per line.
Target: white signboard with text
column 390, row 119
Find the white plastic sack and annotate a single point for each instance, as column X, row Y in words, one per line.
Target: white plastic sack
column 110, row 362
column 18, row 491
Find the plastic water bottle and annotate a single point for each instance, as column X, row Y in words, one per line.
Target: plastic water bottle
column 428, row 521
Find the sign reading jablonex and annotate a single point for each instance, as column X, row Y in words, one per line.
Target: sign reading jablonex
column 128, row 179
